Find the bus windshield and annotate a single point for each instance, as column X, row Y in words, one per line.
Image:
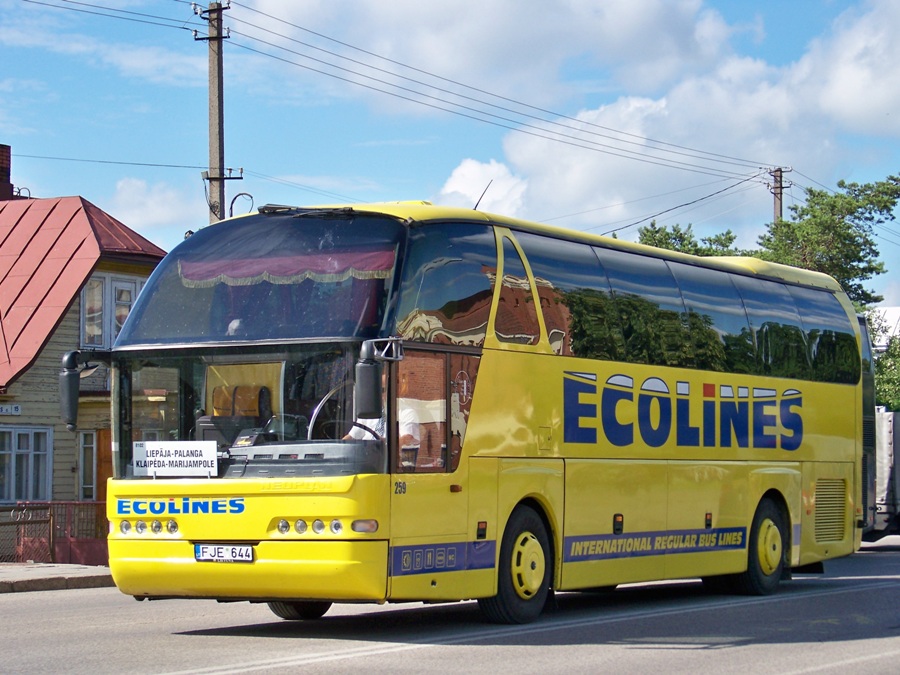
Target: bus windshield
column 270, row 413
column 313, row 274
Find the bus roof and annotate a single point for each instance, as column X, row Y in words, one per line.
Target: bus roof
column 424, row 211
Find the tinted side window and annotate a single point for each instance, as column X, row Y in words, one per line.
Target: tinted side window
column 716, row 320
column 650, row 309
column 575, row 297
column 780, row 340
column 516, row 320
column 445, row 295
column 833, row 352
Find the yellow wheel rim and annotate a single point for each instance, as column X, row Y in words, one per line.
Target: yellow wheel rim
column 528, row 566
column 769, row 547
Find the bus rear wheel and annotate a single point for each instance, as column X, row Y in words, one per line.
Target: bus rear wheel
column 526, row 564
column 299, row 611
column 767, row 555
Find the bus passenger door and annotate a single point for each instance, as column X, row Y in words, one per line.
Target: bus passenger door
column 429, row 483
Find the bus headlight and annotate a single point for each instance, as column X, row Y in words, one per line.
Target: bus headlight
column 300, row 526
column 337, row 526
column 156, row 527
column 172, row 527
column 140, row 527
column 284, row 526
column 125, row 527
column 318, row 526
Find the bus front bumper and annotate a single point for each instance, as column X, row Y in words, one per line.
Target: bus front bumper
column 295, row 570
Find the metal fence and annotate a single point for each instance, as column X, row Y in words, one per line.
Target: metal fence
column 59, row 532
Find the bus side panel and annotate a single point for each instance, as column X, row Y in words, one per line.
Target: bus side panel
column 827, row 527
column 599, row 495
column 709, row 514
column 542, row 481
column 484, row 477
column 430, row 555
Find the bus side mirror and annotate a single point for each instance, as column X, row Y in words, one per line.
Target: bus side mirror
column 367, row 388
column 69, row 378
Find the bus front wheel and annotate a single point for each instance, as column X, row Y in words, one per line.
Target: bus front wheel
column 299, row 611
column 523, row 581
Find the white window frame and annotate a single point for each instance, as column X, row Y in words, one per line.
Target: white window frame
column 110, row 284
column 12, row 458
column 87, row 468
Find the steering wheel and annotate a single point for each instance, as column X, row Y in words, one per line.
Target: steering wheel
column 320, row 406
column 375, row 434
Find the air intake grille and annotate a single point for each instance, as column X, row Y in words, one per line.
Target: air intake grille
column 831, row 498
column 868, row 432
column 865, row 482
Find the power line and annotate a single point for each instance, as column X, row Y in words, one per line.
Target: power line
column 475, row 89
column 504, row 123
column 695, row 154
column 515, row 125
column 699, row 199
column 476, row 113
column 107, row 161
column 631, row 201
column 113, row 13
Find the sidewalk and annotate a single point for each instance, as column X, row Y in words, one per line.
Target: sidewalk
column 24, row 577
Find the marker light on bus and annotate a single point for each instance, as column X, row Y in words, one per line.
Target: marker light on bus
column 337, row 526
column 171, row 527
column 125, row 527
column 284, row 526
column 300, row 526
column 318, row 526
column 156, row 527
column 365, row 526
column 140, row 527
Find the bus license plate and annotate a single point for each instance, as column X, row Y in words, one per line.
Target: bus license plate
column 223, row 553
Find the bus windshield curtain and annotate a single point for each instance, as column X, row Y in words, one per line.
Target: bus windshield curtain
column 331, row 267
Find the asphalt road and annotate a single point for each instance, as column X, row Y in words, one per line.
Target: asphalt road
column 847, row 620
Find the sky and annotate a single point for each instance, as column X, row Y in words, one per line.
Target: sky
column 594, row 115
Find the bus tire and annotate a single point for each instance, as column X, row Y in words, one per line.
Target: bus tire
column 307, row 610
column 766, row 552
column 525, row 572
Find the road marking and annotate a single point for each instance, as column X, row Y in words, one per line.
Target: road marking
column 480, row 633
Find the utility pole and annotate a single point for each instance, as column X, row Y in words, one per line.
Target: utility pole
column 777, row 189
column 216, row 174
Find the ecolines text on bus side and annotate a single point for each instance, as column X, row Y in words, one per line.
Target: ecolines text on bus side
column 727, row 416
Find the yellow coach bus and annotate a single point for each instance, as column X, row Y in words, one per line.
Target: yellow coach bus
column 396, row 402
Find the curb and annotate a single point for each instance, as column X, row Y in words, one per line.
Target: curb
column 56, row 583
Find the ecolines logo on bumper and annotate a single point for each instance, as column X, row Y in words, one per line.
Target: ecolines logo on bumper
column 176, row 506
column 654, row 413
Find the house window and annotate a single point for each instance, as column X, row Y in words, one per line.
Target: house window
column 25, row 461
column 106, row 302
column 87, row 470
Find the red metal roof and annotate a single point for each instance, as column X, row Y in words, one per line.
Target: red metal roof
column 48, row 249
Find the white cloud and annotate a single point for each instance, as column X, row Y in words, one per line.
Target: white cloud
column 159, row 212
column 891, row 292
column 737, row 107
column 853, row 74
column 148, row 63
column 517, row 48
column 502, row 190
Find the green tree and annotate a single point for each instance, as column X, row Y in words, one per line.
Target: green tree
column 833, row 233
column 887, row 376
column 684, row 241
